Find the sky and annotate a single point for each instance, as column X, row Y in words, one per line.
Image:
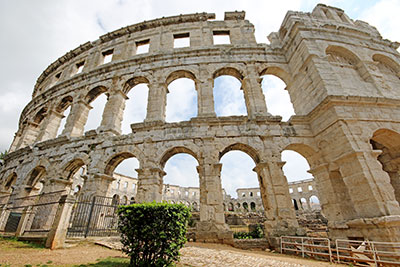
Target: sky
column 36, row 33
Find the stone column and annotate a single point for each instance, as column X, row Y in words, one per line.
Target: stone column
column 113, row 113
column 49, row 126
column 96, row 184
column 58, row 232
column 334, row 201
column 149, row 187
column 157, row 102
column 253, row 95
column 29, row 134
column 205, row 98
column 25, row 221
column 369, row 186
column 77, row 119
column 212, row 226
column 15, row 142
column 276, row 199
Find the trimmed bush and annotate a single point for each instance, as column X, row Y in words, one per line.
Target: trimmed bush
column 153, row 233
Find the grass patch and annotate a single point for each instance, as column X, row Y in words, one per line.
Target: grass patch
column 13, row 243
column 110, row 261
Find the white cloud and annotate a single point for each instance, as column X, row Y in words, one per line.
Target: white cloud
column 135, row 107
column 181, row 100
column 228, row 98
column 181, row 170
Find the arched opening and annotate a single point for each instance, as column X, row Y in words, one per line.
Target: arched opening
column 245, row 206
column 253, row 206
column 122, row 167
column 228, row 96
column 276, row 97
column 390, row 71
column 75, row 172
column 314, row 203
column 97, row 100
column 388, row 142
column 10, row 181
column 63, row 108
column 303, row 203
column 35, row 182
column 230, row 206
column 115, row 200
column 182, row 97
column 181, row 182
column 296, row 207
column 135, row 110
column 124, row 200
column 296, row 167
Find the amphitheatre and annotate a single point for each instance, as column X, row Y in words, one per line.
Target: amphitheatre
column 341, row 77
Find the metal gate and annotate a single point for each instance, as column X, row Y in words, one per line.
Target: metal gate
column 94, row 216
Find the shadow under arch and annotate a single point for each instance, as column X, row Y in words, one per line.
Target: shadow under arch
column 115, row 160
column 178, row 74
column 40, row 115
column 94, row 93
column 176, row 150
column 387, row 61
column 387, row 138
column 344, row 52
column 64, row 104
column 35, row 175
column 244, row 148
column 129, row 84
column 10, row 181
column 72, row 167
column 304, row 150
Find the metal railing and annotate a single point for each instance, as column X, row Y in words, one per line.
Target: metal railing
column 361, row 253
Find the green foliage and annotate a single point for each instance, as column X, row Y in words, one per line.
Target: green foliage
column 256, row 233
column 153, row 233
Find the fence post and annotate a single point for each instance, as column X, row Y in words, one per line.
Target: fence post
column 58, row 231
column 90, row 216
column 23, row 222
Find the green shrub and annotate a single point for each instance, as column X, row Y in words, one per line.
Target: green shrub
column 153, row 233
column 256, row 233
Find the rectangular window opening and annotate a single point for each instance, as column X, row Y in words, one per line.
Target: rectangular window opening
column 290, row 190
column 310, row 188
column 107, row 56
column 299, row 189
column 142, row 47
column 181, row 40
column 221, row 37
column 79, row 67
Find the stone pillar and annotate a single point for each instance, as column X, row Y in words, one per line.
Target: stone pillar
column 253, row 95
column 49, row 126
column 58, row 231
column 205, row 98
column 157, row 102
column 281, row 217
column 149, row 187
column 96, row 184
column 15, row 142
column 369, row 186
column 333, row 194
column 29, row 134
column 25, row 221
column 212, row 226
column 77, row 119
column 113, row 113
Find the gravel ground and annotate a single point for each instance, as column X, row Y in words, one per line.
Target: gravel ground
column 193, row 254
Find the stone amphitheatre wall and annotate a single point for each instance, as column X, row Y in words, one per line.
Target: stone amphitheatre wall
column 343, row 80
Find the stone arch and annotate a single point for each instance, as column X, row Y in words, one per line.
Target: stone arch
column 278, row 72
column 94, row 93
column 71, row 168
column 344, row 57
column 35, row 175
column 132, row 82
column 177, row 74
column 388, row 141
column 40, row 115
column 10, row 181
column 308, row 152
column 229, row 71
column 64, row 103
column 176, row 150
column 393, row 65
column 241, row 147
column 253, row 206
column 115, row 160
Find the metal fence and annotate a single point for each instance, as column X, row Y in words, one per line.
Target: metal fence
column 40, row 211
column 361, row 253
column 94, row 216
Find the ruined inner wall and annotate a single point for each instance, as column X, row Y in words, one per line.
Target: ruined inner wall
column 343, row 80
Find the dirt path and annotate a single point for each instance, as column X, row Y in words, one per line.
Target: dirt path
column 193, row 254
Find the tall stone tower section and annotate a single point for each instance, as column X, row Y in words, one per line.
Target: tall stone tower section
column 345, row 80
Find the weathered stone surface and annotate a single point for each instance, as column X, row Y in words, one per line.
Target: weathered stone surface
column 342, row 78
